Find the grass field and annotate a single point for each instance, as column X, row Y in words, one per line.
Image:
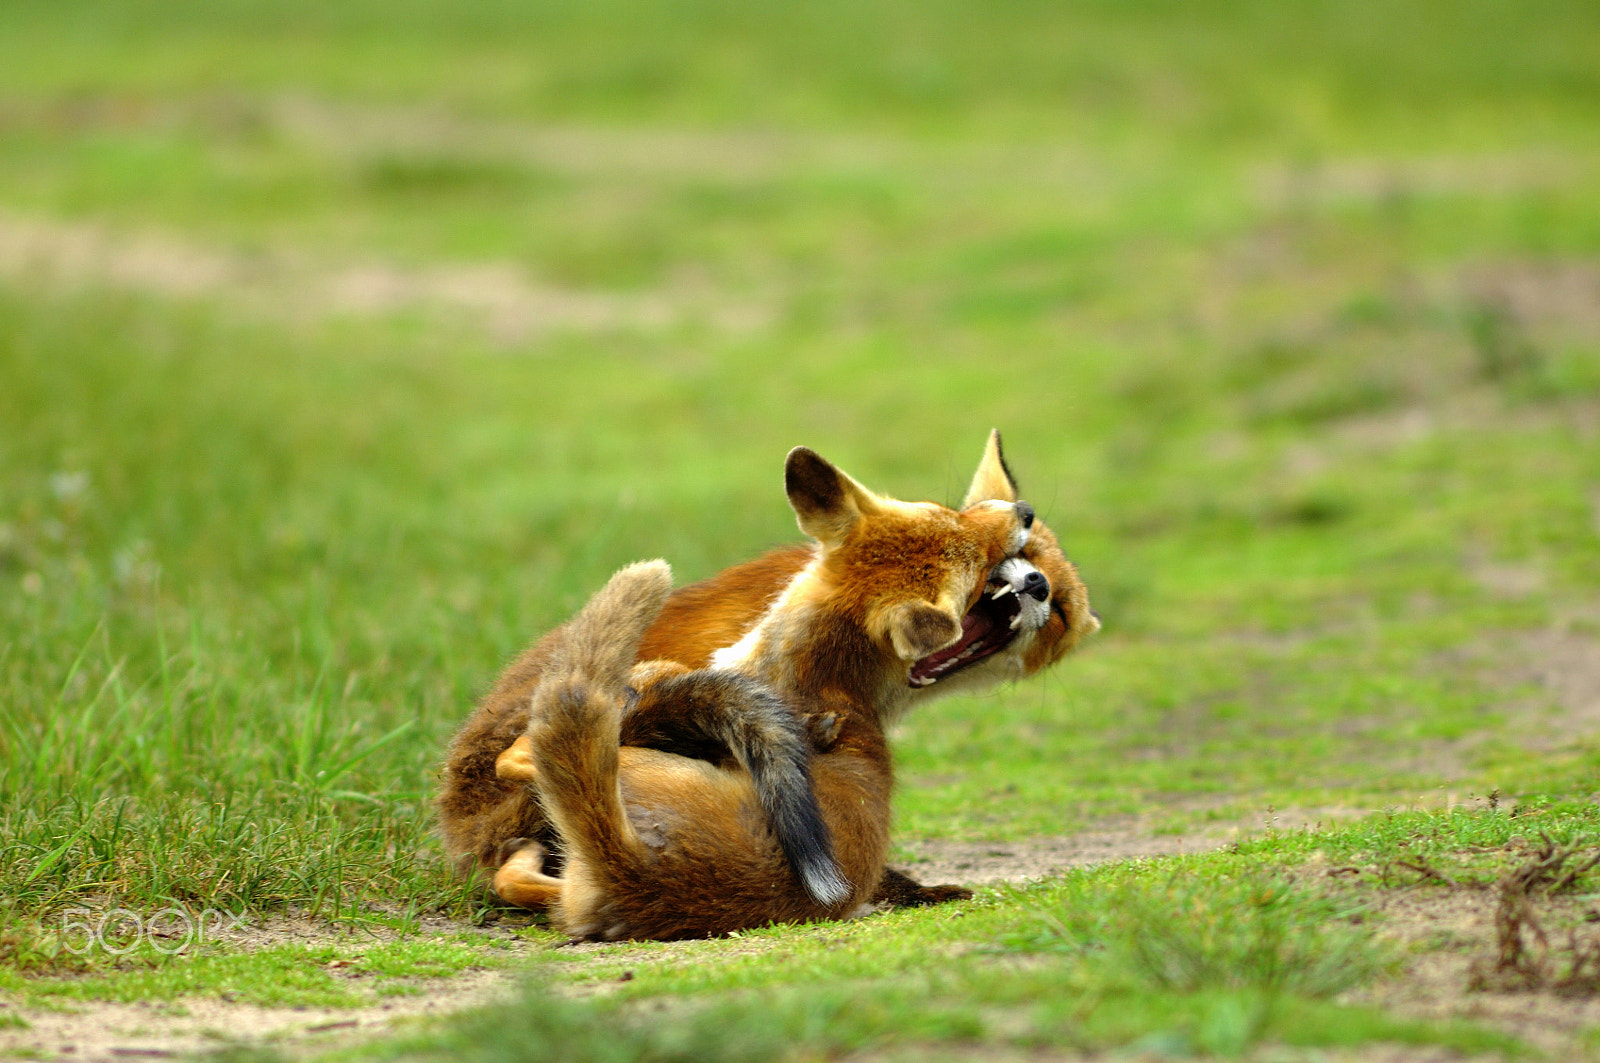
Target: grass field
column 345, row 347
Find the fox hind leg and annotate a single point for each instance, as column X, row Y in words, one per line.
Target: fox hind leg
column 823, row 729
column 896, row 889
column 516, row 763
column 521, row 879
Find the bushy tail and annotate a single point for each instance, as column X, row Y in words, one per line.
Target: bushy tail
column 705, row 710
column 574, row 720
column 772, row 744
column 600, row 643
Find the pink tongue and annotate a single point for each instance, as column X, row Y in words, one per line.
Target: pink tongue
column 973, row 627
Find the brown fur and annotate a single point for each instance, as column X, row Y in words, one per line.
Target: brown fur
column 484, row 817
column 663, row 846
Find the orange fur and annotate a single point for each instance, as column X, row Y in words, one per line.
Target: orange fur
column 703, row 617
column 664, row 846
column 484, row 814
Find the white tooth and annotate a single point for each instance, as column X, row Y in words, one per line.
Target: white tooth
column 1004, row 590
column 1016, row 622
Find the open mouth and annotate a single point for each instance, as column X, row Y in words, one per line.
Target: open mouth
column 1013, row 596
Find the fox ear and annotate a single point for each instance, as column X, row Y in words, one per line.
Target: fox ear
column 920, row 628
column 993, row 481
column 827, row 502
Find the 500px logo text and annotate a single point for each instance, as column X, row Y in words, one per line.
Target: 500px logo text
column 119, row 931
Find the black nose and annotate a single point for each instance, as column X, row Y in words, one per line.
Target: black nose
column 1025, row 514
column 1036, row 586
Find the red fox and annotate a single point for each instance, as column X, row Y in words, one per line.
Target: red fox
column 659, row 845
column 1035, row 610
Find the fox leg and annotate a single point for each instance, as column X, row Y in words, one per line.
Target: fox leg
column 521, row 879
column 896, row 889
column 672, row 733
column 516, row 763
column 823, row 729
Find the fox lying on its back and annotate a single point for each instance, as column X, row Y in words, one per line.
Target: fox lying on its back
column 1033, row 612
column 659, row 845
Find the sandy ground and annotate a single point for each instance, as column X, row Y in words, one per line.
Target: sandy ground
column 114, row 1031
column 1433, row 984
column 104, row 1030
column 501, row 298
column 988, row 863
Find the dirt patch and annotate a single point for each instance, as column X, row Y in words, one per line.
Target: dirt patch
column 988, row 863
column 263, row 932
column 116, row 1031
column 501, row 298
column 1553, row 673
column 1390, row 180
column 1550, row 300
column 105, row 1031
column 1456, row 933
column 1565, row 665
column 1369, row 1053
column 969, row 863
column 579, row 151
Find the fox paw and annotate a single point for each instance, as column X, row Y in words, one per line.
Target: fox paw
column 521, row 879
column 896, row 889
column 927, row 895
column 511, row 847
column 516, row 763
column 823, row 729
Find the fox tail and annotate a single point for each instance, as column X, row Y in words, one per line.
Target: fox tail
column 576, row 731
column 575, row 713
column 708, row 711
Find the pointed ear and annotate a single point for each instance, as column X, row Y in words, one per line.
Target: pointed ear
column 827, row 502
column 919, row 628
column 993, row 481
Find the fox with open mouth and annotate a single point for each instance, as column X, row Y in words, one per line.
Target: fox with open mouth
column 714, row 687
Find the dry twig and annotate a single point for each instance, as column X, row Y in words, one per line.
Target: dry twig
column 1523, row 959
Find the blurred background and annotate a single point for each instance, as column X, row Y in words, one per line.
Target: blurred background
column 345, row 346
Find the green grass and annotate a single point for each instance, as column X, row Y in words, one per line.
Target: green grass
column 1213, row 956
column 349, row 972
column 1287, row 318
